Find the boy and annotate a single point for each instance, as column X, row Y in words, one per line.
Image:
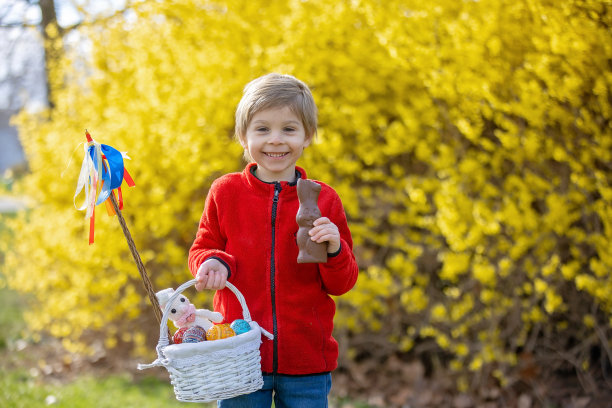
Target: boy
column 247, row 234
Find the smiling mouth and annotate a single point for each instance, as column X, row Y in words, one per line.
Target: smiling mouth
column 276, row 155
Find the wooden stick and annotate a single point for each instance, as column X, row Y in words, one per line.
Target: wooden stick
column 141, row 268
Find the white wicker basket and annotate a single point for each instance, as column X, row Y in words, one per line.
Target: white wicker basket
column 211, row 370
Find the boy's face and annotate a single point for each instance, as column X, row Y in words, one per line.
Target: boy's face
column 275, row 139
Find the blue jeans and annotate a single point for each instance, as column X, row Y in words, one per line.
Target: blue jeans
column 309, row 391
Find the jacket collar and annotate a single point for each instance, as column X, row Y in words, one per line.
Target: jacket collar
column 263, row 186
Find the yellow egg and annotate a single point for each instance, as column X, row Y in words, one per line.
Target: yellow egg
column 220, row 331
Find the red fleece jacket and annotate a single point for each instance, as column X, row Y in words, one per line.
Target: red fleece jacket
column 250, row 226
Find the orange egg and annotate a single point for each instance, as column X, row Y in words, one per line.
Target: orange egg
column 220, row 331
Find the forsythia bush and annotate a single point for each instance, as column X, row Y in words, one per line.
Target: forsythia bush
column 470, row 142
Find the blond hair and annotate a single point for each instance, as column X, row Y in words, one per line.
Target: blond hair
column 273, row 91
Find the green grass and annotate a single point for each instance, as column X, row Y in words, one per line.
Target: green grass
column 21, row 390
column 11, row 325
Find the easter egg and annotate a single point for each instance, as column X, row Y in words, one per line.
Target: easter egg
column 194, row 334
column 240, row 326
column 220, row 331
column 178, row 335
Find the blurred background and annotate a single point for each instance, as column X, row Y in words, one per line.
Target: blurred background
column 470, row 141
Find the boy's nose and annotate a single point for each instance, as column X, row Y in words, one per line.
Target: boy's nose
column 275, row 138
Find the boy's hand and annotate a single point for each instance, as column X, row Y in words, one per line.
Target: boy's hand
column 212, row 274
column 325, row 230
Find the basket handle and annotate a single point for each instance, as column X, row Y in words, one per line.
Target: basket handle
column 163, row 328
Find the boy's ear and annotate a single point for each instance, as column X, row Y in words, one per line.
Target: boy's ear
column 243, row 142
column 308, row 140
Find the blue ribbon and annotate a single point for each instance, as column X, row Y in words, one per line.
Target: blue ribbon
column 112, row 174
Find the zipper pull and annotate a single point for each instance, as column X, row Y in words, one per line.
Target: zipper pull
column 277, row 190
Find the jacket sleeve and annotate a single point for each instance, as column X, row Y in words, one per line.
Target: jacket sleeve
column 210, row 240
column 339, row 274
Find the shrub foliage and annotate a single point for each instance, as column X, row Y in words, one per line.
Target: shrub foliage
column 470, row 142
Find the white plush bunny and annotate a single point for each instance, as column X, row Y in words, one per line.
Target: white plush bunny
column 184, row 314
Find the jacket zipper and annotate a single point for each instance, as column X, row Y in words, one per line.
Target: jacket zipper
column 277, row 190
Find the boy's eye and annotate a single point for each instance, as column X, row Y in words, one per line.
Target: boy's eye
column 261, row 129
column 289, row 129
